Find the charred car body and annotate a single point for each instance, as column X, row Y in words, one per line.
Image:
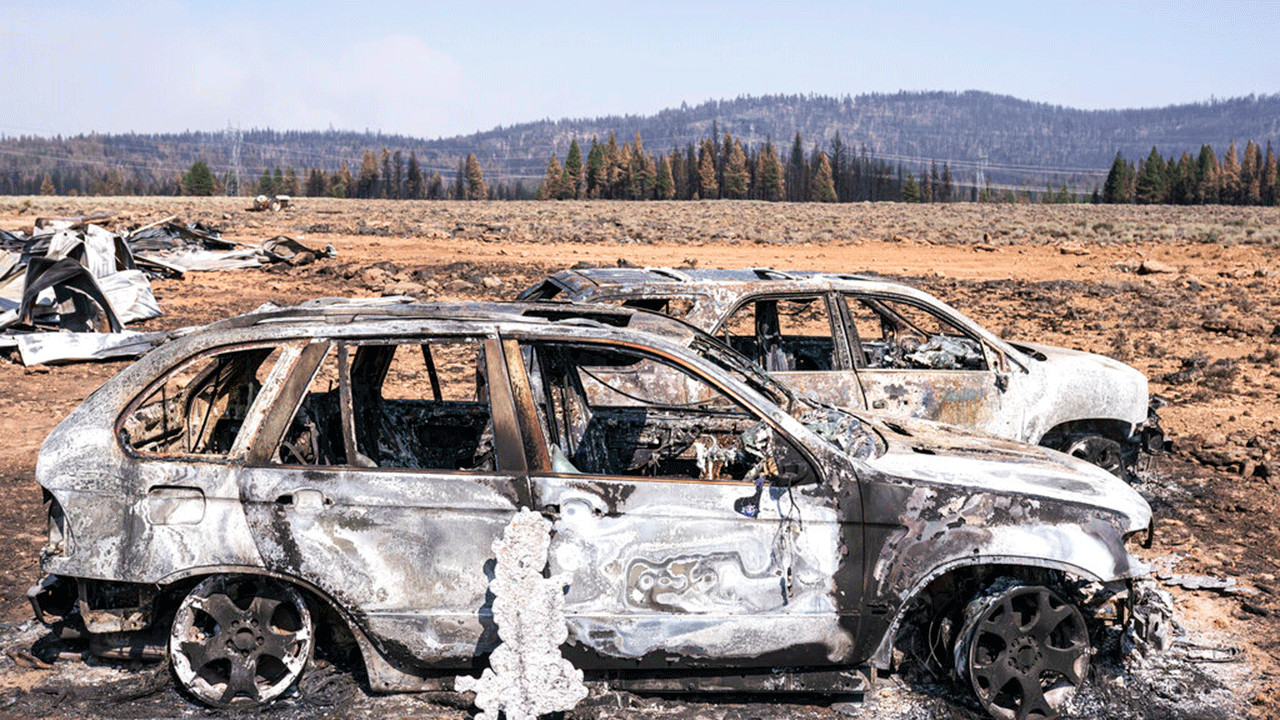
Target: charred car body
column 337, row 472
column 861, row 341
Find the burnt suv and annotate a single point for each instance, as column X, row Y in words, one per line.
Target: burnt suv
column 865, row 342
column 333, row 476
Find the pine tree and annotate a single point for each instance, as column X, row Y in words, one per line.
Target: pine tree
column 1116, row 189
column 595, row 170
column 641, row 171
column 397, row 175
column 343, row 183
column 797, row 173
column 1152, row 182
column 948, row 187
column 769, row 172
column 613, row 168
column 1231, row 176
column 1270, row 178
column 197, row 181
column 1182, row 181
column 573, row 171
column 664, row 187
column 551, row 188
column 384, row 180
column 707, row 188
column 839, row 161
column 435, row 188
column 910, row 190
column 47, row 188
column 1251, row 175
column 736, row 177
column 692, row 177
column 476, row 188
column 413, row 183
column 367, row 185
column 822, row 186
column 679, row 175
column 317, row 183
column 1208, row 177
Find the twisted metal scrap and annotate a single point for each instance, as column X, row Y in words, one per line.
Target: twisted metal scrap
column 527, row 677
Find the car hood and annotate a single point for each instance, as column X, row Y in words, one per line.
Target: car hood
column 1087, row 385
column 929, row 452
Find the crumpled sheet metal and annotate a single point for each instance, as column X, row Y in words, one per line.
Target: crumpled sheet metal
column 177, row 248
column 48, row 348
column 58, row 275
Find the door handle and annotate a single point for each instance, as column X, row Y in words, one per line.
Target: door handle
column 306, row 499
column 877, row 405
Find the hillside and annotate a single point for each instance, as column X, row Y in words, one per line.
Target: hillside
column 1013, row 142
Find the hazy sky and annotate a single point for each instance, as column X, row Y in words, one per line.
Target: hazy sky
column 433, row 69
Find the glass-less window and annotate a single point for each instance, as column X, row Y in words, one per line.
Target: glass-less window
column 783, row 334
column 420, row 405
column 599, row 422
column 893, row 334
column 201, row 405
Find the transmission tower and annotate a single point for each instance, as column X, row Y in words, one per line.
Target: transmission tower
column 234, row 136
column 981, row 180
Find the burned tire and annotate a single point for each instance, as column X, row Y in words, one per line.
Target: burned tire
column 1098, row 450
column 1023, row 650
column 240, row 641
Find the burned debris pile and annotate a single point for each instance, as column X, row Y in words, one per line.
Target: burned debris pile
column 68, row 289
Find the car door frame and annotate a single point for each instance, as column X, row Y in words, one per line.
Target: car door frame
column 611, row 628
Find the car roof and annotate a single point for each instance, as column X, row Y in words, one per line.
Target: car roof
column 368, row 315
column 585, row 282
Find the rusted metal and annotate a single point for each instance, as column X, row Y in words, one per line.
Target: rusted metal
column 711, row 522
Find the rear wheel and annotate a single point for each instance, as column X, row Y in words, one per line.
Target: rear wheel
column 1023, row 650
column 239, row 641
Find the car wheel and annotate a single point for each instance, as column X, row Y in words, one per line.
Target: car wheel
column 239, row 641
column 1023, row 650
column 1101, row 451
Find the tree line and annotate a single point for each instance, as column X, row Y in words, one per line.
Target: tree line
column 1250, row 178
column 724, row 167
column 398, row 179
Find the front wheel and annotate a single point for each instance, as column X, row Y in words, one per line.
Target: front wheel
column 240, row 641
column 1024, row 651
column 1098, row 450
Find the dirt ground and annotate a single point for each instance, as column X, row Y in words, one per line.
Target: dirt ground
column 1190, row 296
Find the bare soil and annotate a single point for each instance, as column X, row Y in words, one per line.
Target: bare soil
column 1190, row 296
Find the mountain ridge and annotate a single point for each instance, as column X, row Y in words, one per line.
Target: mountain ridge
column 1011, row 141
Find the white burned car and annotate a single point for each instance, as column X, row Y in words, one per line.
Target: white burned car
column 335, row 475
column 861, row 341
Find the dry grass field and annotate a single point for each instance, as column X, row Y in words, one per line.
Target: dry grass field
column 1190, row 296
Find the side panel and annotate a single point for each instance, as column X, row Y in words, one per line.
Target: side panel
column 407, row 553
column 968, row 399
column 673, row 573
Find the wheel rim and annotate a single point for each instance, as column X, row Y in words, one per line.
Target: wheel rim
column 1025, row 653
column 1100, row 451
column 240, row 641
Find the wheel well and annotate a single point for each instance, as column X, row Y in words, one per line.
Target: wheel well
column 334, row 640
column 1060, row 436
column 933, row 616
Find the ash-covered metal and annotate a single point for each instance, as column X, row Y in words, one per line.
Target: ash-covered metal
column 527, row 676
